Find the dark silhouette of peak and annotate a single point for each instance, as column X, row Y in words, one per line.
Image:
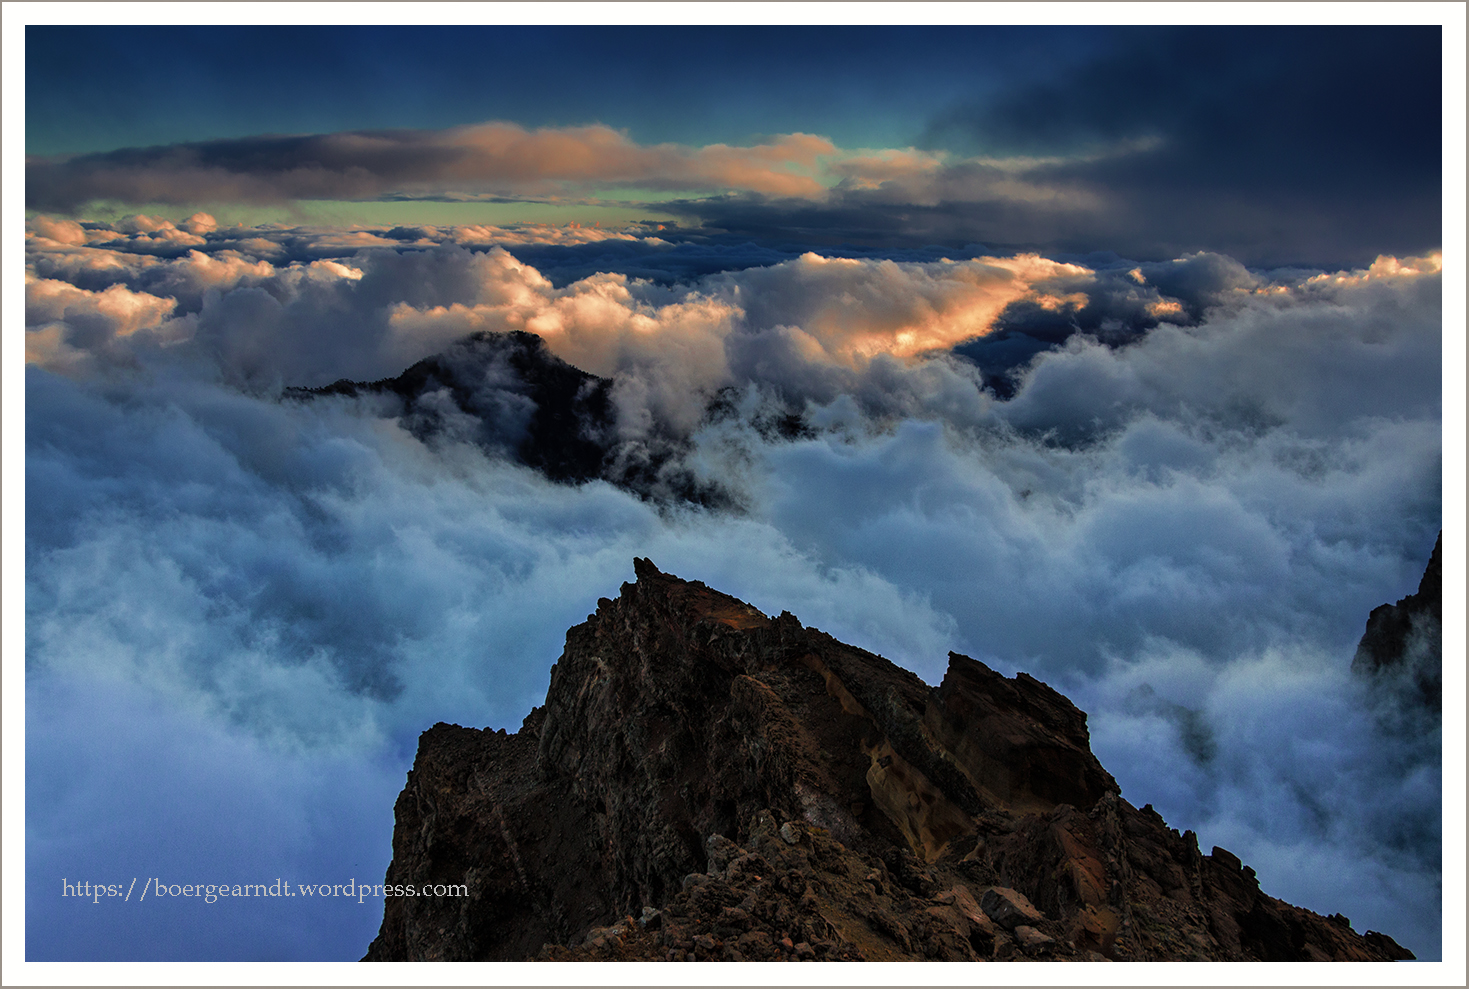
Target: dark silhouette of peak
column 1403, row 643
column 506, row 392
column 509, row 395
column 706, row 782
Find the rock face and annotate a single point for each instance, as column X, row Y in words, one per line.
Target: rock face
column 705, row 782
column 1403, row 643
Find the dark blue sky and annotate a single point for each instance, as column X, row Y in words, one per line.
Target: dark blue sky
column 101, row 88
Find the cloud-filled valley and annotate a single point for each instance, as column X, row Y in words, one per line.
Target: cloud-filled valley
column 1173, row 489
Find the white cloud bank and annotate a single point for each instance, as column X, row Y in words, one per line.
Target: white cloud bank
column 264, row 602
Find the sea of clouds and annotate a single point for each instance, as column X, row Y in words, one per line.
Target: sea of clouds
column 1173, row 490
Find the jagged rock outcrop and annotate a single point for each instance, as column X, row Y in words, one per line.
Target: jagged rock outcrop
column 705, row 782
column 1403, row 642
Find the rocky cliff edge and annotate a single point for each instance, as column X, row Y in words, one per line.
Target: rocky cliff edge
column 708, row 783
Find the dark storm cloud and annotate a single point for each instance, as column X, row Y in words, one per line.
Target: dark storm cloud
column 1298, row 110
column 1272, row 145
column 264, row 169
column 1312, row 145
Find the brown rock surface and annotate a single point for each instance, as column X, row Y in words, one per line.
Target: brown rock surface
column 751, row 789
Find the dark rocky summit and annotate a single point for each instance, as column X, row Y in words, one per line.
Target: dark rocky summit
column 1403, row 644
column 509, row 395
column 705, row 782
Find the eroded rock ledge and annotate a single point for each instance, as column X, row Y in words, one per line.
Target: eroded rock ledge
column 705, row 782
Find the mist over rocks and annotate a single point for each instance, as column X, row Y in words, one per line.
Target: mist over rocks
column 707, row 783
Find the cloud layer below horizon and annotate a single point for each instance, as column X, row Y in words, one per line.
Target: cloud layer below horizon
column 1199, row 480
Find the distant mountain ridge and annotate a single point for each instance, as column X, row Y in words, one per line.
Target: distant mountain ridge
column 705, row 782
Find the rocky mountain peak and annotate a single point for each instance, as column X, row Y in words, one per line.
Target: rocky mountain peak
column 708, row 782
column 509, row 395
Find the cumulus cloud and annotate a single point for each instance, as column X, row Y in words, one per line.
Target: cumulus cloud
column 821, row 323
column 68, row 326
column 1181, row 517
column 49, row 230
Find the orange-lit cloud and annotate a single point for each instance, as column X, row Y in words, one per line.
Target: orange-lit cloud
column 1165, row 309
column 1385, row 267
column 846, row 311
column 542, row 159
column 856, row 309
column 126, row 311
column 66, row 324
column 834, row 319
